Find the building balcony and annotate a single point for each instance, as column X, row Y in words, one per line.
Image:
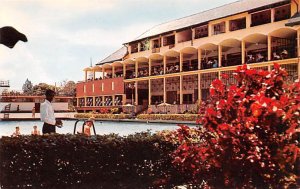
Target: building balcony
column 108, row 86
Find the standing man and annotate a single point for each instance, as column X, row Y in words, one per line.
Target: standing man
column 47, row 114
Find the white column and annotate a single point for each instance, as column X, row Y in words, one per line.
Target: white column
column 269, row 47
column 113, row 71
column 150, row 64
column 136, row 94
column 227, row 27
column 165, row 93
column 149, row 91
column 85, row 76
column 165, row 63
column 113, row 100
column 124, row 70
column 272, row 15
column 220, row 55
column 199, row 58
column 180, row 61
column 199, row 87
column 136, row 68
column 210, row 32
column 180, row 90
column 243, row 52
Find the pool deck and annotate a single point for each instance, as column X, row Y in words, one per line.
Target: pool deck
column 70, row 116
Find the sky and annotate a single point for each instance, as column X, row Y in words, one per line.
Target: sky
column 64, row 36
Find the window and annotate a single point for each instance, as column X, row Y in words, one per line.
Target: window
column 219, row 28
column 282, row 13
column 237, row 24
column 169, row 40
column 261, row 18
column 201, row 31
column 155, row 43
column 134, row 48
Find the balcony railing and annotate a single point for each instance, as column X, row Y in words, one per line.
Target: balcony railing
column 4, row 83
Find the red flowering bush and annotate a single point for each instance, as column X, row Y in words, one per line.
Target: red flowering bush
column 249, row 136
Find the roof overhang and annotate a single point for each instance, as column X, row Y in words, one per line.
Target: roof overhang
column 294, row 20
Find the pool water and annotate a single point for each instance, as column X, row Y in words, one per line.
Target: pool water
column 102, row 127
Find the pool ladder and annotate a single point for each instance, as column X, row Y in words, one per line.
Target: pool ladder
column 84, row 121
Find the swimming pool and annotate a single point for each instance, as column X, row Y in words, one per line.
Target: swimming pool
column 102, row 127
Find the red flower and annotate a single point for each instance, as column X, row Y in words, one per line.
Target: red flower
column 225, row 76
column 251, row 72
column 276, row 66
column 256, row 109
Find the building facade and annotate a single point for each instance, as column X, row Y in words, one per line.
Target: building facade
column 170, row 67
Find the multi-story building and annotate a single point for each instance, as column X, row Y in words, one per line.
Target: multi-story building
column 174, row 63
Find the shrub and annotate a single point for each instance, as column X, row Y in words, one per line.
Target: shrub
column 177, row 117
column 76, row 161
column 249, row 136
column 102, row 116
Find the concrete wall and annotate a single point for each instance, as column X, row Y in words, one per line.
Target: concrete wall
column 27, row 106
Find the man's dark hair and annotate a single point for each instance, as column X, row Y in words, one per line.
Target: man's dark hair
column 49, row 92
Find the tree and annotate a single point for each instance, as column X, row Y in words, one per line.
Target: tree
column 68, row 88
column 27, row 87
column 249, row 136
column 41, row 88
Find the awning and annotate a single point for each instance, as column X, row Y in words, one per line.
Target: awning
column 294, row 20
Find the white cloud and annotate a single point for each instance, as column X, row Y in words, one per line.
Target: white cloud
column 51, row 54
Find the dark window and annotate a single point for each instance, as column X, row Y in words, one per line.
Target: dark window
column 282, row 13
column 237, row 24
column 219, row 28
column 261, row 18
column 201, row 31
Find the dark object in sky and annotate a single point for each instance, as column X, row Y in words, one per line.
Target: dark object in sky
column 9, row 36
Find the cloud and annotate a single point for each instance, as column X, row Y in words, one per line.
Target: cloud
column 64, row 34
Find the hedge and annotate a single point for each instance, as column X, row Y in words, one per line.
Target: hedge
column 177, row 117
column 76, row 161
column 103, row 116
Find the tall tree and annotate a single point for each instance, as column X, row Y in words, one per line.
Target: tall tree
column 27, row 87
column 68, row 88
column 41, row 88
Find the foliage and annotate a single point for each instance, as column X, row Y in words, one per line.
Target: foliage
column 102, row 116
column 249, row 136
column 27, row 87
column 41, row 88
column 76, row 161
column 177, row 117
column 68, row 88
